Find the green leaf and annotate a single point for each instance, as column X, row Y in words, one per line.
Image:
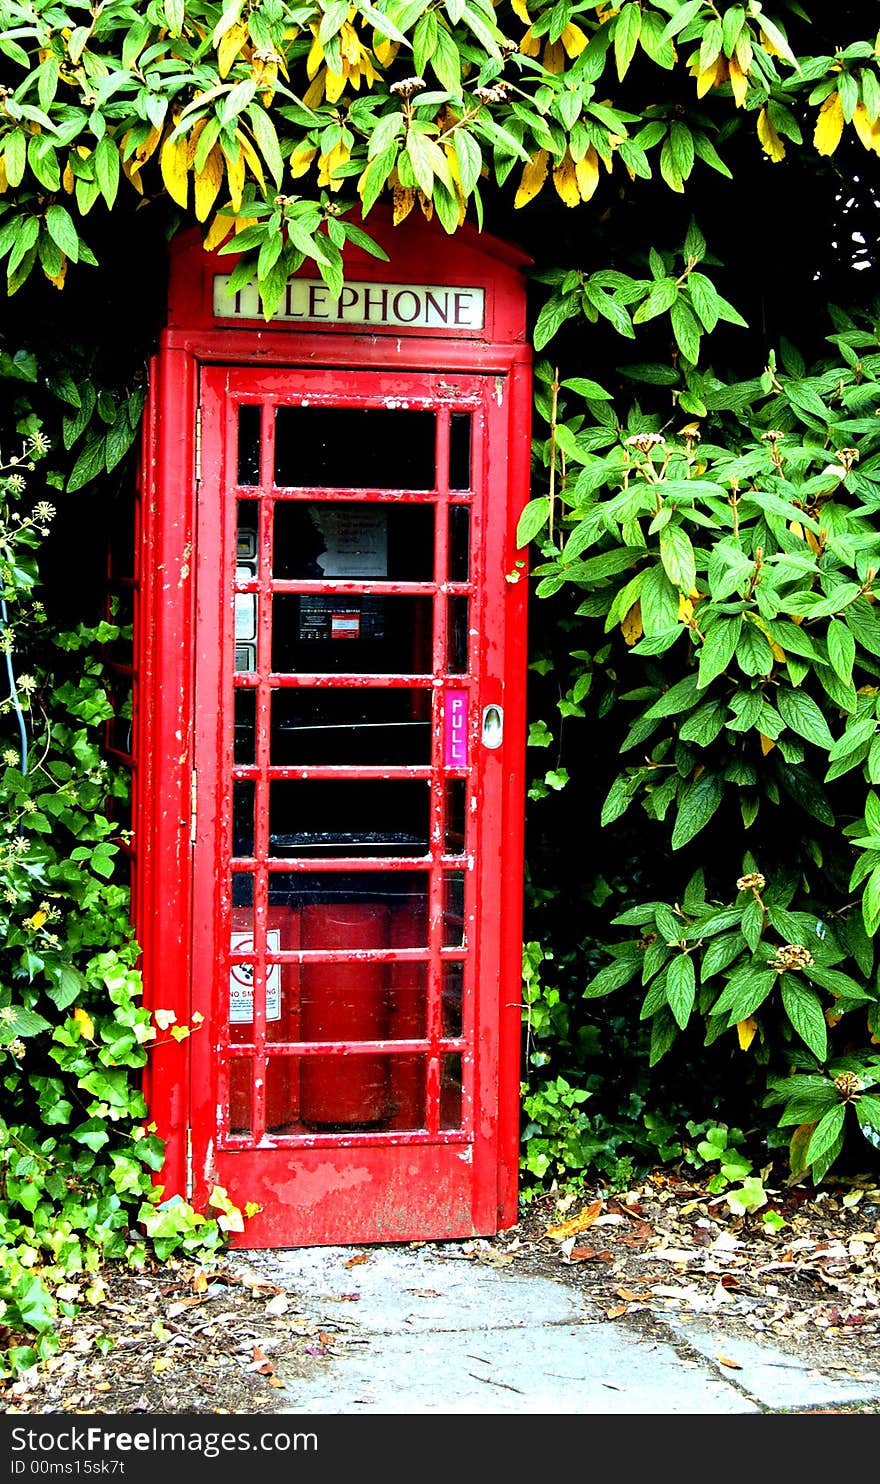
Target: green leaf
column 804, row 1009
column 533, row 518
column 106, row 159
column 801, row 714
column 682, row 16
column 62, row 231
column 677, row 556
column 267, row 141
column 612, row 977
column 627, row 28
column 841, row 649
column 718, row 649
column 826, row 1133
column 698, row 803
column 686, row 330
column 753, row 653
column 681, row 988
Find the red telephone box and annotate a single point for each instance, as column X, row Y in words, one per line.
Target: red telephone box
column 330, row 738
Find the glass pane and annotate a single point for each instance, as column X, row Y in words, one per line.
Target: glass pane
column 354, row 448
column 249, row 425
column 453, row 838
column 460, row 451
column 241, row 1096
column 339, row 1093
column 366, row 634
column 450, row 1091
column 453, row 987
column 457, row 637
column 118, row 734
column 282, row 1094
column 459, row 542
column 348, row 726
column 243, row 817
column 453, row 910
column 244, row 745
column 340, row 538
column 348, row 816
column 356, row 909
column 332, row 1094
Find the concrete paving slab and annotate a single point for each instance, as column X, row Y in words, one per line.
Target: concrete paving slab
column 774, row 1376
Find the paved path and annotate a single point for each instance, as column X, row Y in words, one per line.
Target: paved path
column 430, row 1330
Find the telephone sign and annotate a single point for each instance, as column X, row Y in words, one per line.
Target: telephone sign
column 330, row 739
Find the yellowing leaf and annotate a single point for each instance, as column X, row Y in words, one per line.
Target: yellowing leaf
column 39, row 917
column 404, row 201
column 334, row 85
column 533, row 177
column 829, row 125
column 530, row 44
column 554, row 57
column 329, row 164
column 767, row 743
column 573, row 39
column 587, row 174
column 566, row 181
column 771, row 143
column 685, row 609
column 385, row 50
column 745, row 1030
column 739, row 82
column 519, row 9
column 301, row 158
column 867, row 129
column 218, row 231
column 208, row 183
column 174, row 163
column 179, row 1032
column 85, row 1023
column 713, row 76
column 231, row 43
column 631, row 626
column 235, row 176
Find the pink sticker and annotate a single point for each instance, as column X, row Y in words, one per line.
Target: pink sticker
column 455, row 729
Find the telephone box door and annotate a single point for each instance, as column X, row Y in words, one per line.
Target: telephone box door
column 350, row 805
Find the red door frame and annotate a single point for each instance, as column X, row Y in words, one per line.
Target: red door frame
column 168, row 620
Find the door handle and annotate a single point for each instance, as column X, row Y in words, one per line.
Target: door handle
column 492, row 732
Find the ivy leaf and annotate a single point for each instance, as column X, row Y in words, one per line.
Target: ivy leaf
column 69, row 985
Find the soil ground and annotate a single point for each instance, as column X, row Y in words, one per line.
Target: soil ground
column 181, row 1338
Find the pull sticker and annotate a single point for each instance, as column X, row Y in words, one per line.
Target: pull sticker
column 455, row 729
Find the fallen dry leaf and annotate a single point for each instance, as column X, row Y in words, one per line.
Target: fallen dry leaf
column 576, row 1224
column 358, row 1258
column 616, row 1312
column 590, row 1254
column 722, row 1359
column 278, row 1305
